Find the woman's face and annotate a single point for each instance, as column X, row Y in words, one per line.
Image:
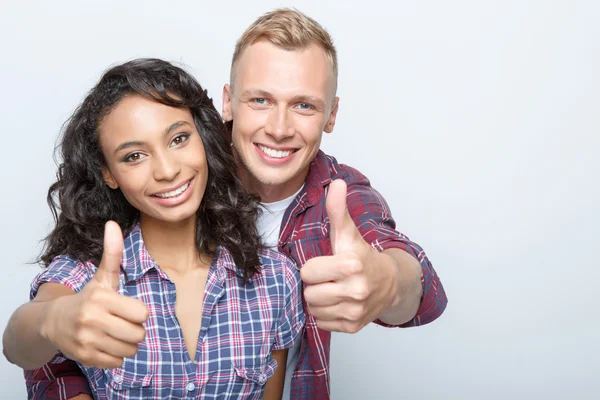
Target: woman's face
column 155, row 156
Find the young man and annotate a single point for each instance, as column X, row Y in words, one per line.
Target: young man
column 355, row 266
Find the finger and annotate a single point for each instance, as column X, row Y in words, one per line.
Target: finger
column 123, row 330
column 108, row 271
column 324, row 294
column 322, row 313
column 339, row 326
column 321, row 269
column 116, row 348
column 102, row 360
column 341, row 225
column 127, row 308
column 352, row 312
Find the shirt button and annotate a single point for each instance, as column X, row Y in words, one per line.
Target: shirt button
column 118, row 378
column 190, row 386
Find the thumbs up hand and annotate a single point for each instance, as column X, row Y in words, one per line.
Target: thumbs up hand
column 97, row 326
column 107, row 275
column 349, row 289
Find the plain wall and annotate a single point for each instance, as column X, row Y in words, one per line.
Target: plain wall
column 477, row 120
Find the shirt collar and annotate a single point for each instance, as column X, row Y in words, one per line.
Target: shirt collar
column 319, row 176
column 136, row 260
column 224, row 261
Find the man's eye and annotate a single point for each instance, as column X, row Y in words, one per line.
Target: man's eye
column 260, row 100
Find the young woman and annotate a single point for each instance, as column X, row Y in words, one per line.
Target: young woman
column 187, row 305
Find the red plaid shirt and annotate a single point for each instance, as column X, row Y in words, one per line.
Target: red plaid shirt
column 305, row 234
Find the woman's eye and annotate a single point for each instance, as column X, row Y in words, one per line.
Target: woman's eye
column 180, row 139
column 133, row 157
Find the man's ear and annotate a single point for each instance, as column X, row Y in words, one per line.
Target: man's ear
column 109, row 179
column 331, row 121
column 226, row 110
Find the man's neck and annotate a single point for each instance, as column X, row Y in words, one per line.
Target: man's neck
column 272, row 193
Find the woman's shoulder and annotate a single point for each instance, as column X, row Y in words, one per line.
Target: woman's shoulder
column 277, row 261
column 279, row 268
column 66, row 270
column 273, row 265
column 68, row 264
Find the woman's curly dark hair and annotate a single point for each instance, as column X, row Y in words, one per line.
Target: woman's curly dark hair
column 82, row 203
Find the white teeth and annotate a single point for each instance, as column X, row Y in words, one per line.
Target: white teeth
column 173, row 193
column 275, row 153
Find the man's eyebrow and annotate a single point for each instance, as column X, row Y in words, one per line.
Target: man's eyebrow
column 135, row 143
column 316, row 101
column 255, row 93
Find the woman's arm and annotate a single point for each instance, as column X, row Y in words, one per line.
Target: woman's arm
column 274, row 386
column 97, row 326
column 25, row 338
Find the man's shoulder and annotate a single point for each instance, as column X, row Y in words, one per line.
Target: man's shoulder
column 331, row 169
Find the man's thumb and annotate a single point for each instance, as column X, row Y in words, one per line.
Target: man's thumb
column 337, row 211
column 108, row 271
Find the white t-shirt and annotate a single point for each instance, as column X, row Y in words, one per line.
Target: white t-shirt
column 269, row 226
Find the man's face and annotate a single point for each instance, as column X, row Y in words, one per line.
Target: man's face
column 281, row 102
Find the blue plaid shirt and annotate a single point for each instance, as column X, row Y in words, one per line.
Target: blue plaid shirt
column 241, row 325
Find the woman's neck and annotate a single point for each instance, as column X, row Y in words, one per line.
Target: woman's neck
column 172, row 245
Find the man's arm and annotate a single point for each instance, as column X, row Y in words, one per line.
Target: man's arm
column 401, row 281
column 57, row 381
column 432, row 301
column 375, row 273
column 415, row 295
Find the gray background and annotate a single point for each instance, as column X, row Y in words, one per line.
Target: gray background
column 477, row 120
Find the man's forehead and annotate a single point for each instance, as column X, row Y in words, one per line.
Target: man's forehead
column 302, row 72
column 263, row 50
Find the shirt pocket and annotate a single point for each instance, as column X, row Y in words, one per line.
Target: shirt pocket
column 120, row 380
column 258, row 374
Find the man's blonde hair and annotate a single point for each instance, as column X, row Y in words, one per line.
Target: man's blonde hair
column 288, row 29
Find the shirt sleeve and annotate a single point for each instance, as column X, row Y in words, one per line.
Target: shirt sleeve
column 66, row 271
column 292, row 318
column 373, row 218
column 61, row 378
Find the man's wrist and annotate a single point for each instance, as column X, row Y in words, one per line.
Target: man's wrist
column 394, row 277
column 405, row 289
